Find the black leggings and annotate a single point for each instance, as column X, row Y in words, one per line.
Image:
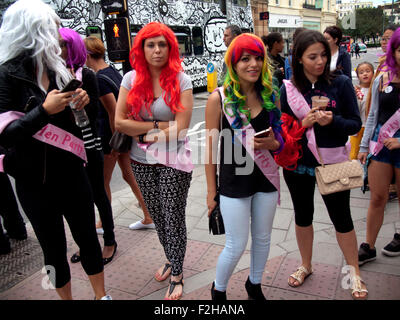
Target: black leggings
column 302, row 187
column 68, row 195
column 95, row 171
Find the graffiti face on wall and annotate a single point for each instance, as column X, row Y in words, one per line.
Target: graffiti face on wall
column 78, row 14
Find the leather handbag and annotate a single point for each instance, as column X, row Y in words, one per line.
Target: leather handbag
column 338, row 177
column 121, row 142
column 215, row 221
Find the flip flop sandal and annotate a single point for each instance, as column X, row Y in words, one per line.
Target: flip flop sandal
column 159, row 278
column 300, row 276
column 357, row 288
column 172, row 285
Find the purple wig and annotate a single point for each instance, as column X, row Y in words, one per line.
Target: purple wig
column 390, row 64
column 76, row 48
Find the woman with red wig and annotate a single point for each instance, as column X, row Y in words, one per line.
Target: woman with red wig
column 155, row 107
column 248, row 186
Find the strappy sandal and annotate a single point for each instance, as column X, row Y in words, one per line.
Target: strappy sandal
column 357, row 288
column 172, row 285
column 160, row 278
column 300, row 276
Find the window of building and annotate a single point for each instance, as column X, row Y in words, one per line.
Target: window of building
column 290, row 3
column 197, row 36
column 277, row 2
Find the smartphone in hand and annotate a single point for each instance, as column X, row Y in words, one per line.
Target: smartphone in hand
column 263, row 134
column 72, row 85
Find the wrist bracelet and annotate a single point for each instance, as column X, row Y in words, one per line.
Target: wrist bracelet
column 141, row 138
column 155, row 124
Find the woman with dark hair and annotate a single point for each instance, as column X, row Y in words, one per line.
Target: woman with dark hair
column 109, row 81
column 249, row 192
column 326, row 127
column 380, row 145
column 74, row 53
column 154, row 106
column 340, row 58
column 47, row 156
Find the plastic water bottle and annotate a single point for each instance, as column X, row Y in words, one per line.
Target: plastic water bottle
column 81, row 118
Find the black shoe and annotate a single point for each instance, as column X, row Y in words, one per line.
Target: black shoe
column 393, row 248
column 365, row 254
column 76, row 258
column 108, row 260
column 217, row 295
column 254, row 291
column 5, row 247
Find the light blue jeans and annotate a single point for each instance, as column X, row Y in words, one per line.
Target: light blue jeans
column 240, row 214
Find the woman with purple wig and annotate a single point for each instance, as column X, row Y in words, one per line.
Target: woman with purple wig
column 74, row 53
column 380, row 149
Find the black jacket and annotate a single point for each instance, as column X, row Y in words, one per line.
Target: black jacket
column 343, row 63
column 28, row 158
column 346, row 116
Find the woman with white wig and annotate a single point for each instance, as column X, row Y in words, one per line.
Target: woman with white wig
column 45, row 154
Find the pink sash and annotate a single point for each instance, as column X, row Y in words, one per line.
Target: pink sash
column 180, row 160
column 387, row 131
column 49, row 134
column 300, row 108
column 261, row 157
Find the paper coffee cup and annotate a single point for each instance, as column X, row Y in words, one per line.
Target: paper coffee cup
column 320, row 101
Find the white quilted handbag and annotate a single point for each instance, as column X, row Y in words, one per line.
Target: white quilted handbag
column 337, row 177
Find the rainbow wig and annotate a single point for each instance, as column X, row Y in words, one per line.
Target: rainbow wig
column 390, row 64
column 268, row 93
column 141, row 93
column 76, row 48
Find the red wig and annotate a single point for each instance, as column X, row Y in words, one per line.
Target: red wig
column 141, row 93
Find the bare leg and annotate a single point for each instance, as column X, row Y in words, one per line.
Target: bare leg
column 65, row 292
column 127, row 174
column 348, row 244
column 305, row 238
column 97, row 282
column 379, row 177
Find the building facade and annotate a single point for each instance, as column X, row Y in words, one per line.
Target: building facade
column 345, row 7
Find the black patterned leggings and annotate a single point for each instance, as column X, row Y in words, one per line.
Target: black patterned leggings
column 165, row 192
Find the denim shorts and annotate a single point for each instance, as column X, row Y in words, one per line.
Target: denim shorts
column 385, row 155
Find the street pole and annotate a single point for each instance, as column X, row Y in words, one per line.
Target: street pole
column 228, row 12
column 391, row 15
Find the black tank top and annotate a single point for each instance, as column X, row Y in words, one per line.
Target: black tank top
column 389, row 102
column 241, row 186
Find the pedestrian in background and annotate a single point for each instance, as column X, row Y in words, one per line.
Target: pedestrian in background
column 340, row 58
column 51, row 181
column 154, row 106
column 328, row 125
column 275, row 44
column 230, row 33
column 381, row 141
column 109, row 81
column 247, row 200
column 13, row 222
column 365, row 73
column 288, row 60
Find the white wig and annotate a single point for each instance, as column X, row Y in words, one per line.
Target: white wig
column 31, row 25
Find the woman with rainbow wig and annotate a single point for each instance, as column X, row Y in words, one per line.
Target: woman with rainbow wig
column 383, row 159
column 248, row 189
column 154, row 106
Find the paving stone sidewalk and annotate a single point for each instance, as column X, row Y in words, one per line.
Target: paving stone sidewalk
column 130, row 276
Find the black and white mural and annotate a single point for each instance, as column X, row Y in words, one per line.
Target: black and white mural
column 78, row 14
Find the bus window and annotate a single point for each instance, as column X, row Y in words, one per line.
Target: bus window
column 197, row 36
column 241, row 3
column 183, row 36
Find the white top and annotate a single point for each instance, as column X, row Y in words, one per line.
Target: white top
column 334, row 60
column 160, row 112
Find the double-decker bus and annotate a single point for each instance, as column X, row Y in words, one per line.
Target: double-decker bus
column 346, row 42
column 198, row 25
